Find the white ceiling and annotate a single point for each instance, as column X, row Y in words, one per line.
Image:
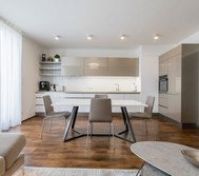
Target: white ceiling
column 105, row 19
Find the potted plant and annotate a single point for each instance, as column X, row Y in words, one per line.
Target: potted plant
column 57, row 58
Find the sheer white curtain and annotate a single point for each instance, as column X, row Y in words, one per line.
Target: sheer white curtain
column 10, row 77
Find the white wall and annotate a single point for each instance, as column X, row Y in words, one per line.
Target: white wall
column 95, row 52
column 31, row 53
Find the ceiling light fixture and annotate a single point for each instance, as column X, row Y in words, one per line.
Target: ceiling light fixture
column 90, row 37
column 57, row 37
column 156, row 37
column 123, row 37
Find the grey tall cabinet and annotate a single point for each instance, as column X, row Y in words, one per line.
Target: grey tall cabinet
column 181, row 102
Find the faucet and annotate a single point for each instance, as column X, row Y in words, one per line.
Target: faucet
column 117, row 87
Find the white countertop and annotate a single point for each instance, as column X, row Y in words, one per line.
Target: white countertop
column 86, row 102
column 92, row 92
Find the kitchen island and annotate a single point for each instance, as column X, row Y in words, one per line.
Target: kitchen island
column 60, row 98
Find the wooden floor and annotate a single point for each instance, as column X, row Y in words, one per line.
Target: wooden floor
column 95, row 152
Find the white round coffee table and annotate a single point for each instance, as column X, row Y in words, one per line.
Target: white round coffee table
column 165, row 157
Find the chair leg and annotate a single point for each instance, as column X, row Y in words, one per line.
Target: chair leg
column 146, row 127
column 88, row 132
column 113, row 135
column 50, row 124
column 65, row 119
column 42, row 128
column 91, row 129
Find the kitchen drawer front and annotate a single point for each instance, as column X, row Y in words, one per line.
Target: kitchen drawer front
column 132, row 97
column 163, row 111
column 163, row 102
column 39, row 109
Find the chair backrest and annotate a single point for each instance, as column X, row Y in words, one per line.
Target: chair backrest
column 150, row 104
column 101, row 96
column 48, row 104
column 100, row 110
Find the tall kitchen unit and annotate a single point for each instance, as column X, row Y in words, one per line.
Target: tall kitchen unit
column 180, row 102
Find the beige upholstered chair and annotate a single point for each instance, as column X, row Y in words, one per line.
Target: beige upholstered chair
column 147, row 110
column 49, row 112
column 11, row 158
column 147, row 114
column 100, row 112
column 101, row 96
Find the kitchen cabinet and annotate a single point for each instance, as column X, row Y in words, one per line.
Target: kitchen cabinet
column 174, row 107
column 170, row 65
column 72, row 66
column 123, row 67
column 100, row 66
column 171, row 74
column 163, row 104
column 96, row 67
column 163, row 65
column 181, row 102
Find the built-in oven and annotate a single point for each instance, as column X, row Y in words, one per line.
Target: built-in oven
column 163, row 84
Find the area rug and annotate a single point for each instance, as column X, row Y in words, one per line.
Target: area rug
column 43, row 171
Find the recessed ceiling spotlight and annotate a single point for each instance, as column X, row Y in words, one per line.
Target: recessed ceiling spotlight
column 89, row 37
column 156, row 37
column 123, row 37
column 57, row 37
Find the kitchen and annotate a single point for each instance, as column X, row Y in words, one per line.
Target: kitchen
column 117, row 84
column 83, row 77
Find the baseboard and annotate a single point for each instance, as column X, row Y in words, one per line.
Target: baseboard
column 189, row 125
column 180, row 125
column 28, row 118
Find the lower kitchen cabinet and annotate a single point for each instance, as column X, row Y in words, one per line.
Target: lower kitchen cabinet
column 60, row 98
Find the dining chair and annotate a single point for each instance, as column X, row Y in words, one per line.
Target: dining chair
column 146, row 114
column 101, row 96
column 100, row 112
column 50, row 113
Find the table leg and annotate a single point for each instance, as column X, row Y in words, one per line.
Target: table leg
column 125, row 122
column 74, row 114
column 128, row 133
column 70, row 133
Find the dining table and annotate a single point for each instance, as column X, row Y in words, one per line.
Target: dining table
column 127, row 133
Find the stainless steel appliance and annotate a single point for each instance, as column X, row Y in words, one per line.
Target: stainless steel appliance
column 44, row 86
column 163, row 84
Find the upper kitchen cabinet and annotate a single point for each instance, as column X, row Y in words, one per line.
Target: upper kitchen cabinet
column 100, row 66
column 123, row 66
column 96, row 67
column 72, row 66
column 163, row 65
